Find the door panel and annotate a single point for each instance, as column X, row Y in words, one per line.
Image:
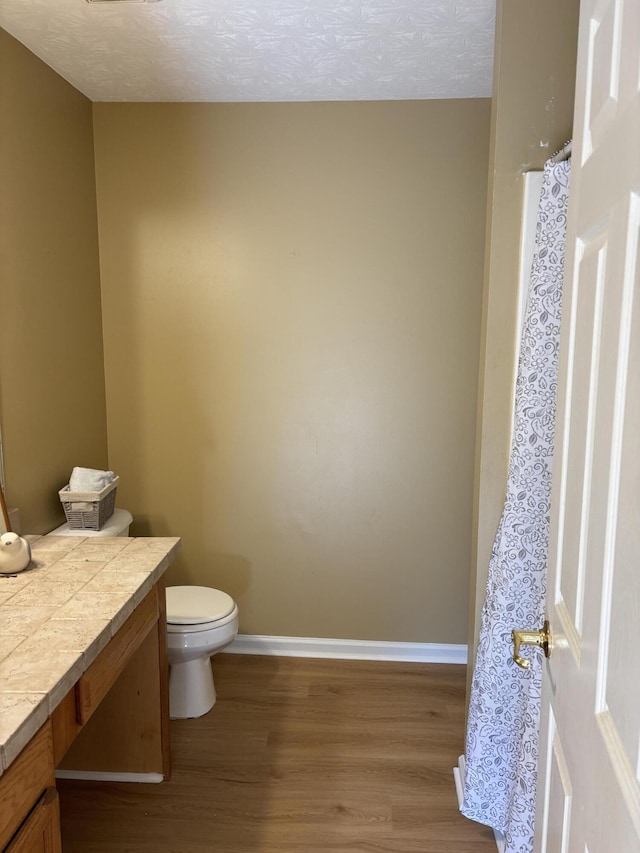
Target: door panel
column 589, row 774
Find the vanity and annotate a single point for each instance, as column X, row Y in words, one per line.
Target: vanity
column 83, row 676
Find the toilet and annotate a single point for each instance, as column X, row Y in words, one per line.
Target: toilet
column 200, row 622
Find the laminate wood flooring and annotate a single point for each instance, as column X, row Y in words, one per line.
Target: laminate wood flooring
column 298, row 756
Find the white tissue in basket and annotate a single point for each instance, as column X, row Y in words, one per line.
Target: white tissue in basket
column 89, row 480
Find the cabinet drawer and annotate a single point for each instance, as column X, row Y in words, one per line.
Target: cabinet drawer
column 93, row 685
column 23, row 783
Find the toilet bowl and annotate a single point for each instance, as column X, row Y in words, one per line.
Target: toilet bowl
column 200, row 622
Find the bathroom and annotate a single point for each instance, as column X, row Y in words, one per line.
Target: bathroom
column 275, row 322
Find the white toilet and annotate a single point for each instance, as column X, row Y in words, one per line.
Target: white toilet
column 200, row 622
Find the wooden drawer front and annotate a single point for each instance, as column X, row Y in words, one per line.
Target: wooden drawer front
column 96, row 681
column 23, row 783
column 40, row 832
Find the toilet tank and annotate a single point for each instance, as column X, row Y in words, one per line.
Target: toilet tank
column 118, row 525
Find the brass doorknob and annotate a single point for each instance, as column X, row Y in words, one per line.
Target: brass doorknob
column 542, row 639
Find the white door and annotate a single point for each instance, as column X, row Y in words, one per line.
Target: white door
column 589, row 791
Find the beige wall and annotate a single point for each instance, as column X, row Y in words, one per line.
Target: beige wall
column 291, row 300
column 532, row 116
column 52, row 399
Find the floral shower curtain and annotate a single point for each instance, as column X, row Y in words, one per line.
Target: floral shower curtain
column 504, row 713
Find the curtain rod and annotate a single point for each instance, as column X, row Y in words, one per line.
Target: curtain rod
column 563, row 153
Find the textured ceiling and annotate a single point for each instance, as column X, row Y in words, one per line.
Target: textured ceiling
column 262, row 50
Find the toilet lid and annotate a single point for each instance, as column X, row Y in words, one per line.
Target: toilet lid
column 190, row 605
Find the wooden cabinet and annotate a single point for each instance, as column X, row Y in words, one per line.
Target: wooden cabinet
column 115, row 718
column 40, row 833
column 24, row 783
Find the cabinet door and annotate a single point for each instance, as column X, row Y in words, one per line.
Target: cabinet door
column 40, row 833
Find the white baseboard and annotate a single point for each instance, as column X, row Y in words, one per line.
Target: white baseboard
column 458, row 777
column 319, row 647
column 95, row 776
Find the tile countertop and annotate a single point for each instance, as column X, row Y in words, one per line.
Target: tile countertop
column 58, row 615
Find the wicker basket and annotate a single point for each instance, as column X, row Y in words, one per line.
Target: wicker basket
column 89, row 510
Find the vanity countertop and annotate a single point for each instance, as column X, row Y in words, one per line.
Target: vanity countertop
column 58, row 615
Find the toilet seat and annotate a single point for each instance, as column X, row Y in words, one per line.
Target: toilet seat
column 198, row 608
column 194, row 628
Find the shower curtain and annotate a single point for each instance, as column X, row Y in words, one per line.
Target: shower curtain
column 502, row 731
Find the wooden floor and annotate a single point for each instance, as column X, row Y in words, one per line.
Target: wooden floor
column 298, row 756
